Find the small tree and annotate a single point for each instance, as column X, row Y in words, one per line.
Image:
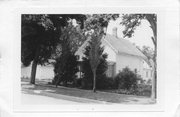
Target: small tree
column 94, row 55
column 100, row 71
column 94, row 25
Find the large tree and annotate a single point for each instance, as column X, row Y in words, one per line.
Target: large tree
column 38, row 41
column 131, row 21
column 40, row 36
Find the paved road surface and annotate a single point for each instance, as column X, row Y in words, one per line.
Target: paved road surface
column 38, row 99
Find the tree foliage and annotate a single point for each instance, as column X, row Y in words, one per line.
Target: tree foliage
column 148, row 52
column 65, row 67
column 131, row 21
column 40, row 36
column 99, row 20
column 38, row 39
column 73, row 36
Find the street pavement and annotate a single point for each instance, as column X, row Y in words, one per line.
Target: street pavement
column 45, row 97
column 30, row 99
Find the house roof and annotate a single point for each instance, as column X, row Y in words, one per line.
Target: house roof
column 81, row 50
column 119, row 45
column 122, row 46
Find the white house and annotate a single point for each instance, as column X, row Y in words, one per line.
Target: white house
column 121, row 53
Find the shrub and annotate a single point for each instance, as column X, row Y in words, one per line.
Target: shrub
column 143, row 90
column 126, row 79
column 149, row 82
column 102, row 82
column 65, row 69
column 78, row 82
column 105, row 83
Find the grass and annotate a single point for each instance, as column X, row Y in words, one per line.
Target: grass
column 87, row 94
column 143, row 90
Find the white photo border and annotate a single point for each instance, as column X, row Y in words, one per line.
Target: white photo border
column 158, row 107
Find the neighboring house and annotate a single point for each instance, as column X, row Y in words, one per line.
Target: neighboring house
column 121, row 54
column 147, row 71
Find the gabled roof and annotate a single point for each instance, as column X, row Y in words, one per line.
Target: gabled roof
column 119, row 45
column 122, row 46
column 81, row 50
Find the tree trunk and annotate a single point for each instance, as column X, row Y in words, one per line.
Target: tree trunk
column 34, row 66
column 57, row 81
column 154, row 80
column 94, row 81
column 33, row 72
column 153, row 26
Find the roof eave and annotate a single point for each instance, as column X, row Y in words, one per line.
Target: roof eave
column 123, row 53
column 115, row 50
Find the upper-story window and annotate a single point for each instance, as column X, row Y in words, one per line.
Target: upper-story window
column 135, row 70
column 146, row 73
column 77, row 57
column 151, row 73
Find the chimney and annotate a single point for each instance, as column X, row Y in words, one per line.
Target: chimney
column 114, row 31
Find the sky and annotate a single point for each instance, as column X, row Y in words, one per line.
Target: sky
column 142, row 35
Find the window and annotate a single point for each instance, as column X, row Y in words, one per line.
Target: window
column 146, row 73
column 135, row 70
column 77, row 57
column 110, row 70
column 151, row 73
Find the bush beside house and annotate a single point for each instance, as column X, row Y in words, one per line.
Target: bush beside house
column 126, row 79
